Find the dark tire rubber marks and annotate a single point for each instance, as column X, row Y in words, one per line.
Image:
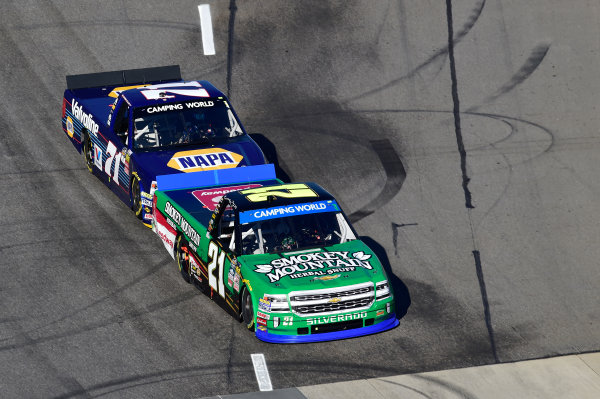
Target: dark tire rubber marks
column 395, row 172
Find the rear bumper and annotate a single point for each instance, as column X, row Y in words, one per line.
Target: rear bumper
column 385, row 325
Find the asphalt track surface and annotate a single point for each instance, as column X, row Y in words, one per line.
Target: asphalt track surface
column 461, row 136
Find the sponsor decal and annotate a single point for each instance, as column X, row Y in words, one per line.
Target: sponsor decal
column 183, row 224
column 146, row 202
column 336, row 318
column 167, row 239
column 316, row 264
column 146, row 195
column 236, row 282
column 291, row 210
column 179, row 106
column 263, row 315
column 327, row 278
column 264, row 305
column 166, row 233
column 98, row 157
column 210, row 198
column 70, row 129
column 194, row 266
column 86, row 119
column 230, row 275
column 262, row 328
column 206, row 159
column 260, row 321
column 380, row 312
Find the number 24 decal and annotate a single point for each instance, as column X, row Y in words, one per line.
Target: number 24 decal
column 216, row 262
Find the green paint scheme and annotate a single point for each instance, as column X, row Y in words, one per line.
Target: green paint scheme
column 325, row 285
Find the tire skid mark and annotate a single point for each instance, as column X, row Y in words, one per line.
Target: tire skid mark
column 197, row 373
column 116, row 22
column 395, row 175
column 45, row 98
column 24, row 343
column 110, row 295
column 537, row 55
column 443, row 52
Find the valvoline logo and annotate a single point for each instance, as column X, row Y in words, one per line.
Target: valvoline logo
column 206, row 159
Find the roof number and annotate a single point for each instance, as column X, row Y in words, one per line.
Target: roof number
column 297, row 190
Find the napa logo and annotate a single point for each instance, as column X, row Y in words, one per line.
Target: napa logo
column 207, row 159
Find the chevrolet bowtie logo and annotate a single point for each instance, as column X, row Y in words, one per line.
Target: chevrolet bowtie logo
column 334, row 300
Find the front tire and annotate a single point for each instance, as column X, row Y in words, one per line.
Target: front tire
column 183, row 260
column 136, row 197
column 247, row 309
column 88, row 151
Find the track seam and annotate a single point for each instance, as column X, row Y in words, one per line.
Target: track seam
column 232, row 11
column 465, row 180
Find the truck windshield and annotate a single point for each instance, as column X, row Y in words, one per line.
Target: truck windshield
column 293, row 233
column 186, row 123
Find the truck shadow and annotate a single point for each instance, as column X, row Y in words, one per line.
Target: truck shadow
column 401, row 294
column 268, row 148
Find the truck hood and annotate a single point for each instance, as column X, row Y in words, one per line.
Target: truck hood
column 335, row 266
column 243, row 152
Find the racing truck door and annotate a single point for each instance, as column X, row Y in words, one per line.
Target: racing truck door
column 223, row 271
column 117, row 150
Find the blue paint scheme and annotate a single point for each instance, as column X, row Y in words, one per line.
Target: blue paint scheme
column 96, row 109
column 388, row 324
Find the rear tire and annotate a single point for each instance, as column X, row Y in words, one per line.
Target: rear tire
column 136, row 197
column 247, row 309
column 183, row 260
column 88, row 151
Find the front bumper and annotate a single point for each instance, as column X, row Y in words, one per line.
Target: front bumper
column 387, row 324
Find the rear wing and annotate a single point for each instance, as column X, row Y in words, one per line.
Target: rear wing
column 218, row 177
column 127, row 77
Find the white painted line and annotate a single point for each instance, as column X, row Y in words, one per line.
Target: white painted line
column 207, row 31
column 262, row 374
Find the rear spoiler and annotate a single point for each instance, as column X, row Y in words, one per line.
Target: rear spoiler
column 218, row 177
column 127, row 77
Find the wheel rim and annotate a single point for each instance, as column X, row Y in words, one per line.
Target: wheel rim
column 137, row 203
column 182, row 262
column 89, row 153
column 180, row 256
column 247, row 310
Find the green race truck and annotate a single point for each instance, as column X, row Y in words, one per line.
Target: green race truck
column 282, row 258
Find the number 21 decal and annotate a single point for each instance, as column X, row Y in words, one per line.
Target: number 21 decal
column 217, row 260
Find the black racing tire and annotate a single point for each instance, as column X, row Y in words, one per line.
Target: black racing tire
column 247, row 309
column 88, row 151
column 183, row 259
column 136, row 197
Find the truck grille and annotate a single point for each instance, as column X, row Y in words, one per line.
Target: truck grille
column 332, row 301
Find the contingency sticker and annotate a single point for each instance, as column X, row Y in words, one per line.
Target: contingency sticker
column 207, row 159
column 210, row 197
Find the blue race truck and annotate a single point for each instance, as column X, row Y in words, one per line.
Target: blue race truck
column 133, row 125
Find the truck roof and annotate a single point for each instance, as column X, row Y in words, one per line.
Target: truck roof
column 171, row 93
column 241, row 201
column 198, row 193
